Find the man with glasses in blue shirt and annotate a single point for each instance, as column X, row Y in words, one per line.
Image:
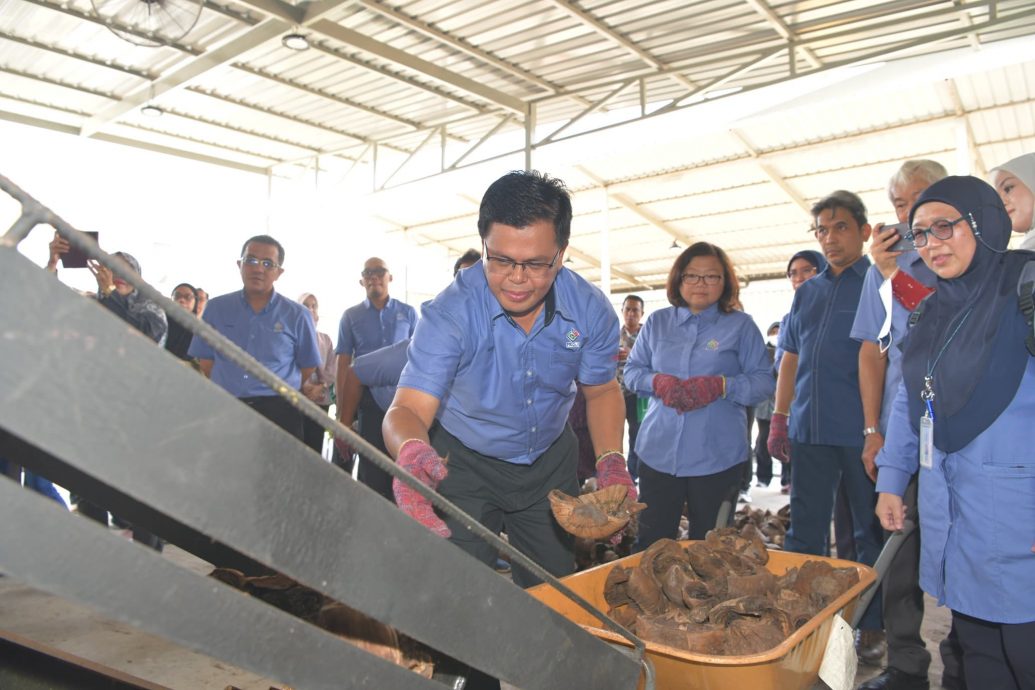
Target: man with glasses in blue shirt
column 376, row 322
column 820, row 374
column 278, row 332
column 491, row 376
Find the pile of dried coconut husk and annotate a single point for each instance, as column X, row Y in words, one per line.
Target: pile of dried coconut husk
column 772, row 526
column 716, row 597
column 356, row 628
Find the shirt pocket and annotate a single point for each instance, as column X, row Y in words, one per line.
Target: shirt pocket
column 671, row 356
column 1012, row 502
column 275, row 346
column 562, row 370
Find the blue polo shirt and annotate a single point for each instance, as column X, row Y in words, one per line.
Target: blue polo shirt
column 869, row 319
column 380, row 371
column 364, row 328
column 827, row 409
column 505, row 393
column 678, row 342
column 281, row 336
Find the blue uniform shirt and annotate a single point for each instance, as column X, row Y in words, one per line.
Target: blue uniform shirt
column 678, row 342
column 869, row 319
column 281, row 336
column 380, row 371
column 505, row 393
column 827, row 409
column 364, row 329
column 978, row 519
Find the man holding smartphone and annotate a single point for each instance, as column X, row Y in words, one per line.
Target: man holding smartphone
column 909, row 280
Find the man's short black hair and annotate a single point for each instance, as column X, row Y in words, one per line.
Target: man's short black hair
column 841, row 199
column 471, row 256
column 521, row 197
column 265, row 239
column 635, row 298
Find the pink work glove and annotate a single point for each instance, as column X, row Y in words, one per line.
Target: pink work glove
column 778, row 444
column 689, row 394
column 423, row 462
column 611, row 470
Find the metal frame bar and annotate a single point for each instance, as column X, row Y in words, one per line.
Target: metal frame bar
column 208, row 616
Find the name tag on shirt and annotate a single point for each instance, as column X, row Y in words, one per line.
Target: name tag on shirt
column 926, row 442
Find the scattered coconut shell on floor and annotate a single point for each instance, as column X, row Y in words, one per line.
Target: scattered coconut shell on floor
column 594, row 515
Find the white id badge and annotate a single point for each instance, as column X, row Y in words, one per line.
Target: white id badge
column 926, row 442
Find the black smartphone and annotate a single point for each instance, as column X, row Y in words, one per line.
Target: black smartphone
column 75, row 258
column 904, row 243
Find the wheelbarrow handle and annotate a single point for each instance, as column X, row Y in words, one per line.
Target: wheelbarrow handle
column 649, row 682
column 882, row 564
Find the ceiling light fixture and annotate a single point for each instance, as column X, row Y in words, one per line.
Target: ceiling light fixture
column 295, row 41
column 675, row 245
column 151, row 110
column 569, row 260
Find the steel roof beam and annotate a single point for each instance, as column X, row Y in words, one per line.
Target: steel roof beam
column 136, row 143
column 412, row 124
column 595, row 263
column 775, row 177
column 418, row 65
column 97, row 62
column 181, row 76
column 592, row 108
column 961, row 113
column 628, row 45
column 461, row 45
column 780, row 26
column 107, row 22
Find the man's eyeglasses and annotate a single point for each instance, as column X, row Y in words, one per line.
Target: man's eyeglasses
column 187, row 296
column 374, row 272
column 694, row 279
column 941, row 228
column 821, row 231
column 255, row 261
column 503, row 265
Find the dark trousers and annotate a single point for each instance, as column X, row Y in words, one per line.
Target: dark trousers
column 371, row 416
column 903, row 600
column 665, row 494
column 511, row 498
column 279, row 411
column 313, row 434
column 816, row 471
column 952, row 661
column 997, row 655
column 632, row 461
column 763, row 460
column 844, row 527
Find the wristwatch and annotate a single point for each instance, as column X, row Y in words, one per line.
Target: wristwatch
column 870, row 430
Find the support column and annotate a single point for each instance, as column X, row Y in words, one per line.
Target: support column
column 529, row 133
column 605, row 241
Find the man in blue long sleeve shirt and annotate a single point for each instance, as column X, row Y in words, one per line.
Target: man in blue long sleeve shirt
column 820, row 372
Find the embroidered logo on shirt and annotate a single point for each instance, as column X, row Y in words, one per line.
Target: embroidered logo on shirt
column 573, row 336
column 713, row 344
column 278, row 327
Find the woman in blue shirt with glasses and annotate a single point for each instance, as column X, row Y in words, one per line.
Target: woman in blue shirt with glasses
column 703, row 362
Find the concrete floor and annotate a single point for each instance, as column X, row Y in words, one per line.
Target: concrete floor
column 81, row 631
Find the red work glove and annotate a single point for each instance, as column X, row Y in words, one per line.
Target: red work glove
column 778, row 444
column 420, row 460
column 611, row 470
column 689, row 394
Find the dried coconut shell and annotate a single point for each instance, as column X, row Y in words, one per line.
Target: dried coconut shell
column 615, row 587
column 595, row 515
column 747, row 636
column 705, row 562
column 645, row 591
column 761, row 583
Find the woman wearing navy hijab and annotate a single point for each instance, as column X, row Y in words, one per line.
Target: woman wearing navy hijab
column 963, row 414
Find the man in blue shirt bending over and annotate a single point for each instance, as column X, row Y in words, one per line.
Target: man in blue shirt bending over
column 276, row 331
column 491, row 377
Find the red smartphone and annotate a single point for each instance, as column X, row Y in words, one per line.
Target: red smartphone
column 74, row 258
